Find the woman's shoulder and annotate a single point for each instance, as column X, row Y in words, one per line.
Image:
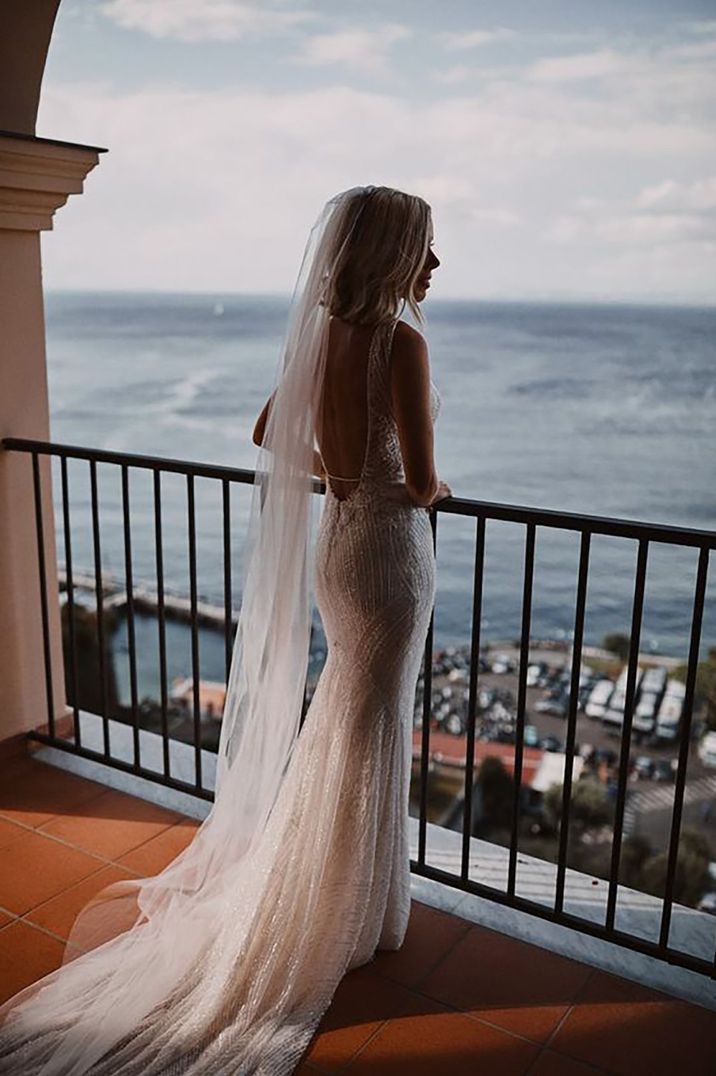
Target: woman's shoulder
column 403, row 330
column 409, row 343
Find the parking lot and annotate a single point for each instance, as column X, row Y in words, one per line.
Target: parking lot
column 546, row 711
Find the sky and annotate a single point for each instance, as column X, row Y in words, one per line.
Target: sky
column 567, row 148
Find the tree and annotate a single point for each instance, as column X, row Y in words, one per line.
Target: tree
column 590, row 804
column 705, row 687
column 691, row 879
column 617, row 643
column 635, row 852
column 88, row 695
column 496, row 791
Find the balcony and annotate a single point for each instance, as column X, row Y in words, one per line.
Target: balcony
column 535, row 963
column 459, row 997
column 513, row 963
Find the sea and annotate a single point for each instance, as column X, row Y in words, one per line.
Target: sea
column 607, row 409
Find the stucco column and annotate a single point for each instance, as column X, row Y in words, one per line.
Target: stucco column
column 36, row 177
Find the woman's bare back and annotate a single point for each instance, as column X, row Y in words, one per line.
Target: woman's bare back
column 343, row 430
column 344, row 433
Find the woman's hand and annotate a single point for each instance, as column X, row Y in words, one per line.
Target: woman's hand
column 443, row 492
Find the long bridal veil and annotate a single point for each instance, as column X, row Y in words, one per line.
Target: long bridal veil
column 136, row 946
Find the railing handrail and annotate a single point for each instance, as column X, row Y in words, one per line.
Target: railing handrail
column 481, row 512
column 464, row 506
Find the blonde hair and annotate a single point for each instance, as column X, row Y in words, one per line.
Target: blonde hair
column 382, row 250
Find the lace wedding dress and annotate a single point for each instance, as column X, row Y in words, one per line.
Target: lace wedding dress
column 329, row 881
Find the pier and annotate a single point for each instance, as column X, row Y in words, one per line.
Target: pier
column 146, row 600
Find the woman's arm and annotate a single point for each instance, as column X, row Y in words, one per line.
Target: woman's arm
column 260, row 427
column 410, row 383
column 258, row 436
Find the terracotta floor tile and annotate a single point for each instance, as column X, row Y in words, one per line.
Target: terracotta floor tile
column 431, row 933
column 9, row 832
column 33, row 792
column 111, row 824
column 26, row 954
column 58, row 914
column 362, row 1002
column 520, row 987
column 36, row 868
column 155, row 854
column 449, row 1043
column 550, row 1063
column 616, row 1023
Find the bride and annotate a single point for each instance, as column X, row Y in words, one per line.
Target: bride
column 225, row 962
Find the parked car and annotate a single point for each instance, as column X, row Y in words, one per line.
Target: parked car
column 668, row 718
column 614, row 714
column 654, row 679
column 664, row 769
column 644, row 766
column 502, row 663
column 455, row 725
column 500, row 712
column 599, row 698
column 531, row 737
column 556, row 706
column 644, row 719
column 534, row 673
column 485, row 697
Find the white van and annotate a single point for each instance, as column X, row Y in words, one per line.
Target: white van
column 645, row 712
column 614, row 714
column 654, row 679
column 668, row 718
column 599, row 698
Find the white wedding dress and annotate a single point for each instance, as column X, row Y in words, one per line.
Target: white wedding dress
column 329, row 882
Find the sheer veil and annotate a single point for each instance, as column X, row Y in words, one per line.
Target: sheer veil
column 134, row 945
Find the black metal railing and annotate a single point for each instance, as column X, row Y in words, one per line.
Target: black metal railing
column 587, row 526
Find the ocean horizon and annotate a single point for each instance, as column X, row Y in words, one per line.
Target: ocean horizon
column 603, row 408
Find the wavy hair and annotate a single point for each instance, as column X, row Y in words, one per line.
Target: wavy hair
column 383, row 246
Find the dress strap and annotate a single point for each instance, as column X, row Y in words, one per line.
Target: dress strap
column 341, row 478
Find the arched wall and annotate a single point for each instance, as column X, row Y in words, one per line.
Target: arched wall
column 37, row 175
column 25, row 33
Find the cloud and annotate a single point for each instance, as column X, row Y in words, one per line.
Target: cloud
column 626, row 229
column 209, row 20
column 661, row 214
column 699, row 195
column 358, row 49
column 453, row 75
column 577, row 66
column 701, row 26
column 473, row 39
column 513, row 168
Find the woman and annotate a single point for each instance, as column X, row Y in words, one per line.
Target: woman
column 226, row 961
